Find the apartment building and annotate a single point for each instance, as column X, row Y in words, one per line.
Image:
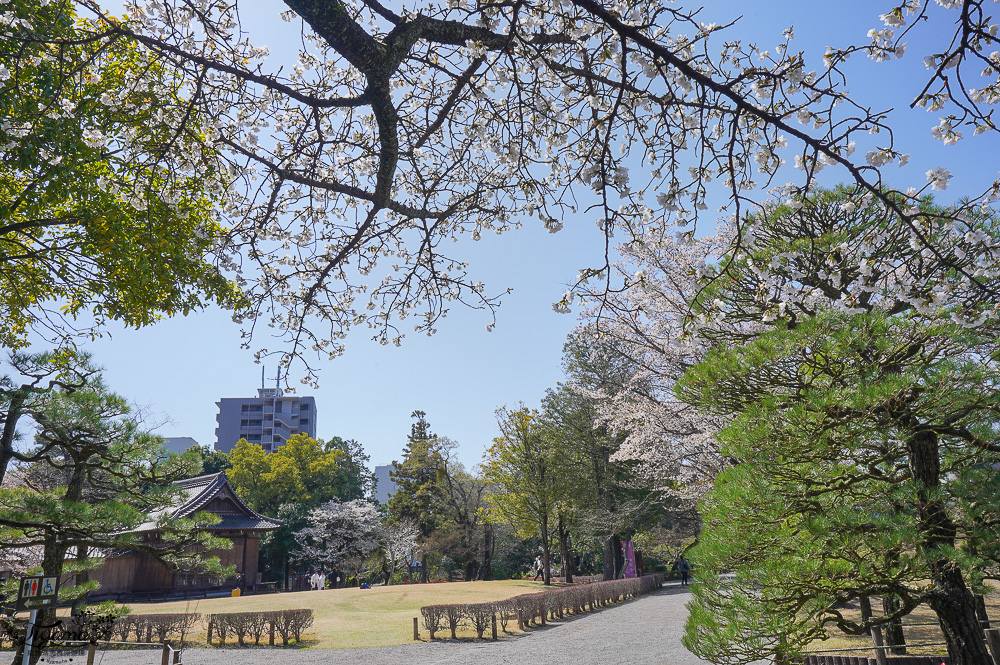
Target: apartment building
column 267, row 420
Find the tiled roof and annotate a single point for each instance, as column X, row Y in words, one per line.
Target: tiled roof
column 196, row 493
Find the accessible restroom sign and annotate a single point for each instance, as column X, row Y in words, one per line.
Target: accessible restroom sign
column 37, row 592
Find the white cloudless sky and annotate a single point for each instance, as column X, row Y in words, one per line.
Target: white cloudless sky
column 177, row 369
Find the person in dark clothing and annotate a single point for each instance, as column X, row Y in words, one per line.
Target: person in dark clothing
column 684, row 568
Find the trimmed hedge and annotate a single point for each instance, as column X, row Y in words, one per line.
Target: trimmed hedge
column 288, row 624
column 537, row 607
column 146, row 627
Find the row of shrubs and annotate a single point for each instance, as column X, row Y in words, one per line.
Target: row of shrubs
column 587, row 579
column 536, row 607
column 153, row 627
column 288, row 624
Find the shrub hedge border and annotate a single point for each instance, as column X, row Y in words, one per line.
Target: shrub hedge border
column 537, row 607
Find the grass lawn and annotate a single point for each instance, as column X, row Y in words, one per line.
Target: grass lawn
column 344, row 618
column 920, row 627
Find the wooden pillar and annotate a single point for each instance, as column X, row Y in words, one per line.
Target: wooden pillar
column 244, row 569
column 878, row 643
column 416, row 629
column 494, row 626
column 165, row 658
column 993, row 642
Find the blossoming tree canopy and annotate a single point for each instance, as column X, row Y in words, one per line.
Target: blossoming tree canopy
column 106, row 208
column 399, row 131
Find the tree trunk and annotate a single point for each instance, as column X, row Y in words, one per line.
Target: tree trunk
column 81, row 578
column 423, row 568
column 9, row 432
column 486, row 572
column 53, row 558
column 894, row 629
column 614, row 561
column 951, row 600
column 546, row 573
column 567, row 559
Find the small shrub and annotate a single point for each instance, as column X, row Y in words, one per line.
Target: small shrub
column 299, row 621
column 481, row 616
column 433, row 615
column 454, row 615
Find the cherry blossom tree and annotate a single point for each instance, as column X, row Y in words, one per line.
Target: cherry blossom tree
column 398, row 541
column 400, row 131
column 340, row 535
column 644, row 323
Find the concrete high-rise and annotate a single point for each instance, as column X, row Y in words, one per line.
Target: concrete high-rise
column 267, row 420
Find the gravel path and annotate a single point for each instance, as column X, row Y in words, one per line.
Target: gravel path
column 643, row 631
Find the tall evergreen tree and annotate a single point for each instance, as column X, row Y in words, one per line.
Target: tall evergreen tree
column 417, row 495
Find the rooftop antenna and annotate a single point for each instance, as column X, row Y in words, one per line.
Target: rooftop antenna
column 262, row 377
column 277, row 381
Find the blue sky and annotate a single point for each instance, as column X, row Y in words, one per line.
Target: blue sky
column 176, row 370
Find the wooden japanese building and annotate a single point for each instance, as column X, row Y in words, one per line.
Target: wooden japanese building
column 128, row 573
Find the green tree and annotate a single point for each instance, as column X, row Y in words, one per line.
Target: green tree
column 357, row 481
column 462, row 534
column 105, row 208
column 521, row 469
column 292, row 480
column 95, row 478
column 207, row 460
column 304, row 470
column 612, row 499
column 863, row 428
column 32, row 378
column 417, row 495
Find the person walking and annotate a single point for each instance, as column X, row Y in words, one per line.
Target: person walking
column 314, row 582
column 539, row 567
column 684, row 568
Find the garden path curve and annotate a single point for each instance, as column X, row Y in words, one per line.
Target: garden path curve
column 643, row 631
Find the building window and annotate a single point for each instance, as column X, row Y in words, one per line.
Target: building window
column 185, row 579
column 244, row 423
column 303, row 407
column 303, row 421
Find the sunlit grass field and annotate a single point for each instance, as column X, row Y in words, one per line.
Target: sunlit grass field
column 923, row 635
column 344, row 618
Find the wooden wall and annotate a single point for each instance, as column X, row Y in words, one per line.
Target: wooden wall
column 141, row 572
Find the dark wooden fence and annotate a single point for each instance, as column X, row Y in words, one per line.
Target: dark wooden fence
column 817, row 659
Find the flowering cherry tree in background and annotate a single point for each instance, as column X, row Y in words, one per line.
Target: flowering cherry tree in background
column 340, row 535
column 398, row 541
column 644, row 322
column 398, row 131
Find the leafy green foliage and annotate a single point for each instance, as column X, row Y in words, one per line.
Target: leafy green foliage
column 104, row 208
column 865, row 444
column 297, row 477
